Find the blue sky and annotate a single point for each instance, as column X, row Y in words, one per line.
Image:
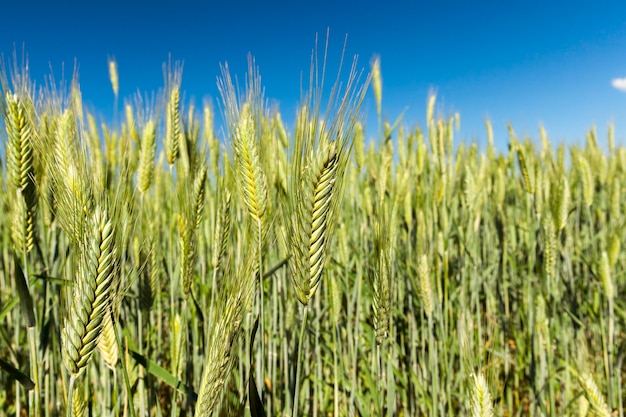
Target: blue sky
column 521, row 62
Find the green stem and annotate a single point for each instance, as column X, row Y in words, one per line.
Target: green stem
column 261, row 375
column 381, row 383
column 129, row 393
column 300, row 343
column 69, row 412
column 33, row 395
column 610, row 354
column 336, row 372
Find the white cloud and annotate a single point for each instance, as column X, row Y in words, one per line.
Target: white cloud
column 619, row 84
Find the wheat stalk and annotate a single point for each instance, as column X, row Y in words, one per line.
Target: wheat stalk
column 225, row 329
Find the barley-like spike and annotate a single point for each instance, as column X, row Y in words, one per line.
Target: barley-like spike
column 587, row 180
column 172, row 126
column 381, row 302
column 377, row 85
column 199, row 190
column 430, row 110
column 470, row 190
column 187, row 252
column 146, row 157
column 149, row 279
column 425, row 287
column 222, row 232
column 114, row 76
column 489, row 130
column 91, row 295
column 599, row 407
column 550, row 246
column 73, row 197
column 481, row 403
column 155, row 272
column 107, row 344
column 583, row 406
column 20, row 163
column 23, row 224
column 560, row 200
column 523, row 165
column 188, row 222
column 248, row 165
column 131, row 124
column 79, row 406
column 311, row 223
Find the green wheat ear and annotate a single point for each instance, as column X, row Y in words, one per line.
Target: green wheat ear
column 20, row 161
column 560, row 201
column 481, row 403
column 425, row 288
column 310, row 234
column 91, row 295
column 21, row 169
column 146, row 157
column 381, row 303
column 523, row 165
column 248, row 165
column 593, row 394
column 173, row 121
column 188, row 223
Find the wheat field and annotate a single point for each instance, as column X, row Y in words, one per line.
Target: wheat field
column 159, row 265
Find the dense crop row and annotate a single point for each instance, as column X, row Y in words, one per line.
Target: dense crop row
column 153, row 267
